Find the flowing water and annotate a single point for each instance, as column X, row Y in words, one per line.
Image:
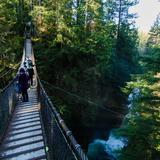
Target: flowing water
column 95, row 130
column 106, row 149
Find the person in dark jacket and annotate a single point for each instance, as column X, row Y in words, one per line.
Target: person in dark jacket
column 23, row 82
column 30, row 70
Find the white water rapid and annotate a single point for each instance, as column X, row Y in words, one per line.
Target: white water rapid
column 109, row 149
column 114, row 144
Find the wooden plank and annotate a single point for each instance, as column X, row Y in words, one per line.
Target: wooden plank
column 17, row 119
column 23, row 141
column 26, row 121
column 27, row 156
column 21, row 149
column 27, row 111
column 32, row 128
column 23, row 135
column 26, row 125
column 26, row 114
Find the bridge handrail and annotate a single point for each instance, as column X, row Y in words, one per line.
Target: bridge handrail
column 1, row 76
column 18, row 65
column 7, row 81
column 8, row 102
column 79, row 153
column 66, row 131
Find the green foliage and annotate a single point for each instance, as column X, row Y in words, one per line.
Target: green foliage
column 62, row 108
column 76, row 47
column 10, row 42
column 153, row 46
column 143, row 37
column 141, row 125
column 81, row 30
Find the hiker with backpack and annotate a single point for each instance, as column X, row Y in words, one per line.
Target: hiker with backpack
column 30, row 70
column 23, row 83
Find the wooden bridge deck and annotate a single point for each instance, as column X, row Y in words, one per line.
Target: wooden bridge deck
column 24, row 139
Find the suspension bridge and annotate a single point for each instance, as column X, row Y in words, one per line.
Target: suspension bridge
column 33, row 130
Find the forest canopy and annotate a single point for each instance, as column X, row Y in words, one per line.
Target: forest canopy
column 92, row 49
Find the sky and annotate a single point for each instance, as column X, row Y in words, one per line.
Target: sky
column 147, row 11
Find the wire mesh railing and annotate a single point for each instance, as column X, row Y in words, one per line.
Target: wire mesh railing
column 8, row 97
column 61, row 143
column 78, row 99
column 8, row 76
column 7, row 105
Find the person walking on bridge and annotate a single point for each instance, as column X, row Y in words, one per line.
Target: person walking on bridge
column 30, row 70
column 23, row 82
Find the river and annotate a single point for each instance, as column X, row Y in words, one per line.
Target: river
column 94, row 139
column 91, row 125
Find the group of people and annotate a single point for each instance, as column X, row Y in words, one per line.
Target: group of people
column 25, row 79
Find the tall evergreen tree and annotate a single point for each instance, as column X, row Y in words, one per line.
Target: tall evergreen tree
column 153, row 45
column 10, row 37
column 141, row 125
column 126, row 32
column 77, row 39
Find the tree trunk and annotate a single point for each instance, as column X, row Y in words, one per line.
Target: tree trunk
column 118, row 26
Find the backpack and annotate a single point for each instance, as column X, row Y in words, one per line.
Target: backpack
column 30, row 64
column 23, row 81
column 18, row 88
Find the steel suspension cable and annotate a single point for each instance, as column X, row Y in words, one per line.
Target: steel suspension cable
column 11, row 69
column 83, row 99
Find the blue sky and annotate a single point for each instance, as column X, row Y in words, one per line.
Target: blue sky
column 147, row 11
